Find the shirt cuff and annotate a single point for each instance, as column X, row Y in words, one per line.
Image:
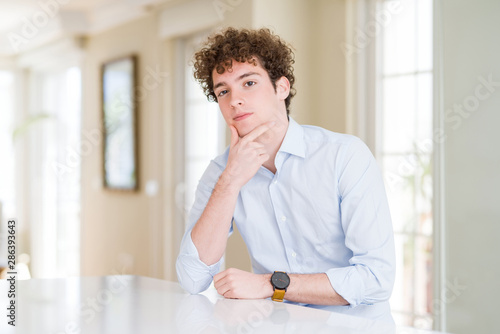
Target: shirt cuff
column 348, row 283
column 194, row 275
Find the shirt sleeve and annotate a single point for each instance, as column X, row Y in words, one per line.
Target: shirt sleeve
column 367, row 226
column 194, row 275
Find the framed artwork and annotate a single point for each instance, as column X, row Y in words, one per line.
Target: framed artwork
column 120, row 123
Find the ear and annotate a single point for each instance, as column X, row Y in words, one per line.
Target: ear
column 282, row 88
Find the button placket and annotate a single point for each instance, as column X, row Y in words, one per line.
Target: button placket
column 281, row 219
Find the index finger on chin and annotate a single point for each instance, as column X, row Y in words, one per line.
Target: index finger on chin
column 261, row 129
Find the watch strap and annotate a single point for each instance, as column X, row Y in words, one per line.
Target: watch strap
column 278, row 295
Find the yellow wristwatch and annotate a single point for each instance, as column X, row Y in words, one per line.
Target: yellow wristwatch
column 280, row 281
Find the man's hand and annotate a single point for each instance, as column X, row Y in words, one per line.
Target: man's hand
column 246, row 155
column 235, row 283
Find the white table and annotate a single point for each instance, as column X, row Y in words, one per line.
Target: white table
column 134, row 304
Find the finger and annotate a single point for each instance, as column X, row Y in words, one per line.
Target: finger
column 229, row 294
column 254, row 145
column 219, row 277
column 256, row 152
column 219, row 286
column 259, row 131
column 217, row 282
column 261, row 152
column 262, row 158
column 234, row 136
column 223, row 289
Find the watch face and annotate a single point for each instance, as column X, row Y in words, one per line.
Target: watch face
column 280, row 280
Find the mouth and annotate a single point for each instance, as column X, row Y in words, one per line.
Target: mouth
column 242, row 117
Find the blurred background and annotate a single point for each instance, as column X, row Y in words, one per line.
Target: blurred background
column 417, row 80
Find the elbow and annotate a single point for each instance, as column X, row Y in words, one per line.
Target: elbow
column 191, row 287
column 380, row 296
column 187, row 281
column 381, row 291
column 375, row 296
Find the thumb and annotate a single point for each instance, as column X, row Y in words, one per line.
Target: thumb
column 234, row 136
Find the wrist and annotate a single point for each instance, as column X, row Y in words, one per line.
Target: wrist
column 228, row 182
column 280, row 282
column 268, row 289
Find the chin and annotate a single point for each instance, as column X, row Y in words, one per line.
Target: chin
column 244, row 129
column 242, row 133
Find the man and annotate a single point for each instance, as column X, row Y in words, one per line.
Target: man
column 309, row 203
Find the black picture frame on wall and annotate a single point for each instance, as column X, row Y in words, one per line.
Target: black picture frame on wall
column 120, row 124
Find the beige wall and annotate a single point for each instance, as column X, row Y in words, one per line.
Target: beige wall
column 118, row 228
column 472, row 165
column 315, row 29
column 329, row 76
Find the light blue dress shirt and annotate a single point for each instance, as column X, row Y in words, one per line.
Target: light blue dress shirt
column 324, row 211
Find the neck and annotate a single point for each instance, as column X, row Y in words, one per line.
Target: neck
column 274, row 144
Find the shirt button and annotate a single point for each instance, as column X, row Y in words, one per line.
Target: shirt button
column 294, row 254
column 283, row 218
column 275, row 181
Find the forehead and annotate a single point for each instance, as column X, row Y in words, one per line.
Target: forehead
column 236, row 70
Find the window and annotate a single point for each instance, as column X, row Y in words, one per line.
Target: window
column 404, row 150
column 204, row 132
column 204, row 128
column 54, row 172
column 7, row 177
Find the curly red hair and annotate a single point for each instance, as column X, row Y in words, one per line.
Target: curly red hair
column 244, row 45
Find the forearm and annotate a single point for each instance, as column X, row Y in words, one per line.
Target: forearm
column 313, row 289
column 209, row 234
column 309, row 289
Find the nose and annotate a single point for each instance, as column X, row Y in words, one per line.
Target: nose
column 236, row 99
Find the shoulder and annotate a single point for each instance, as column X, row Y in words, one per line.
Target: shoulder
column 319, row 137
column 336, row 151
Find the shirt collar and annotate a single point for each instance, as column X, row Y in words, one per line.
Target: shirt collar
column 293, row 142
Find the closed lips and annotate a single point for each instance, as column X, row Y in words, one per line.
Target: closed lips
column 242, row 116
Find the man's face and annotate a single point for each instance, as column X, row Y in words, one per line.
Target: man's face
column 247, row 97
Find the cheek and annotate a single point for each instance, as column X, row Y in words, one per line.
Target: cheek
column 225, row 114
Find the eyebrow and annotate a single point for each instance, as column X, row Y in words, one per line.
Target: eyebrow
column 244, row 75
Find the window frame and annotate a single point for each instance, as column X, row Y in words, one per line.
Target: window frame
column 362, row 120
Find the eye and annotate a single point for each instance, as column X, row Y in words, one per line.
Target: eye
column 250, row 83
column 222, row 93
